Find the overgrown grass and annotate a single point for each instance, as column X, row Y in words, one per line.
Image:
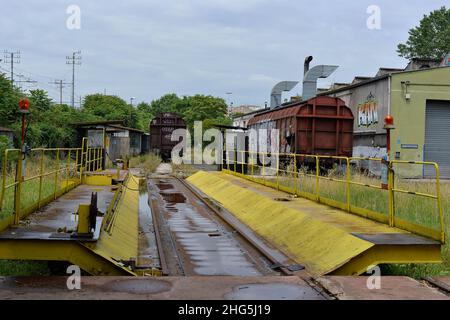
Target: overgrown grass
column 147, row 163
column 24, row 268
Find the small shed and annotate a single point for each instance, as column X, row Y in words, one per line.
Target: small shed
column 9, row 133
column 119, row 141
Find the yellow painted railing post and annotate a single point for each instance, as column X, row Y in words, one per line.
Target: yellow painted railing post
column 88, row 161
column 68, row 170
column 439, row 203
column 56, row 174
column 41, row 172
column 243, row 162
column 348, row 178
column 235, row 161
column 317, row 178
column 264, row 168
column 253, row 163
column 81, row 159
column 98, row 159
column 18, row 191
column 5, row 163
column 277, row 170
column 101, row 159
column 295, row 174
column 95, row 160
column 391, row 194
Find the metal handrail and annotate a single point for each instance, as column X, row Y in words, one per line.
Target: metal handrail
column 86, row 159
column 247, row 158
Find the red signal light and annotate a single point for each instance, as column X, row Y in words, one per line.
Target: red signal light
column 389, row 120
column 24, row 105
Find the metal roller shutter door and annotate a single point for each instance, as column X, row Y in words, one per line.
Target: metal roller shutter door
column 437, row 138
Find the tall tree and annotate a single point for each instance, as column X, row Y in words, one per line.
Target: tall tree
column 39, row 100
column 431, row 39
column 200, row 108
column 167, row 103
column 105, row 107
column 9, row 101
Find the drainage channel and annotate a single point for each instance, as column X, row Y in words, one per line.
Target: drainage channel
column 193, row 240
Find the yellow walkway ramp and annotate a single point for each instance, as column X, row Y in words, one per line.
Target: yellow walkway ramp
column 324, row 239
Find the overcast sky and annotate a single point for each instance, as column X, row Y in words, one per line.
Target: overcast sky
column 145, row 49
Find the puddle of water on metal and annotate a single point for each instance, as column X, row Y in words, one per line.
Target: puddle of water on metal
column 138, row 286
column 148, row 250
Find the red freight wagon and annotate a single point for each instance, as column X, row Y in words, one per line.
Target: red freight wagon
column 319, row 126
column 161, row 128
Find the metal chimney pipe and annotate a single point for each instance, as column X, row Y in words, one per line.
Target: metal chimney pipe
column 308, row 60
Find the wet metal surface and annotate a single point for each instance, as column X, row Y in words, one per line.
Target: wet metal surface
column 148, row 252
column 44, row 224
column 180, row 288
column 194, row 238
column 137, row 286
column 273, row 291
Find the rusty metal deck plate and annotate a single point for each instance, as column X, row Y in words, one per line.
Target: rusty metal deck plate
column 176, row 288
column 390, row 288
column 43, row 224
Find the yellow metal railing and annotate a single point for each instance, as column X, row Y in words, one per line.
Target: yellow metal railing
column 32, row 181
column 340, row 182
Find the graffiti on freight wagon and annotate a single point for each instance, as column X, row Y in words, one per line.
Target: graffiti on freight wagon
column 368, row 112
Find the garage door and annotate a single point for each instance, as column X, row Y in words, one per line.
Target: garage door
column 437, row 137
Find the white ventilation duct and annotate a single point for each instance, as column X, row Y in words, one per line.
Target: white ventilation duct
column 310, row 79
column 275, row 96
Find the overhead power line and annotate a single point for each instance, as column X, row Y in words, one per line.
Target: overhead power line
column 60, row 84
column 75, row 59
column 11, row 57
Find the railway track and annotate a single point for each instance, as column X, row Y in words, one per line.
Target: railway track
column 195, row 238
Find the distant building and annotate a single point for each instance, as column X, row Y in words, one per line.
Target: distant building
column 9, row 133
column 119, row 141
column 245, row 114
column 244, row 109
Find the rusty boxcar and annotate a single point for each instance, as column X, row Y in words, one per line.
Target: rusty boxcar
column 319, row 126
column 161, row 128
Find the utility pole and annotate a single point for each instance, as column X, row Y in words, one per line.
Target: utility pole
column 60, row 84
column 12, row 58
column 75, row 59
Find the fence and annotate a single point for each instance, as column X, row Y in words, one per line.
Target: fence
column 348, row 183
column 29, row 183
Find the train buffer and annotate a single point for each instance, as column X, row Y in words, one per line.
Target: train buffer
column 328, row 241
